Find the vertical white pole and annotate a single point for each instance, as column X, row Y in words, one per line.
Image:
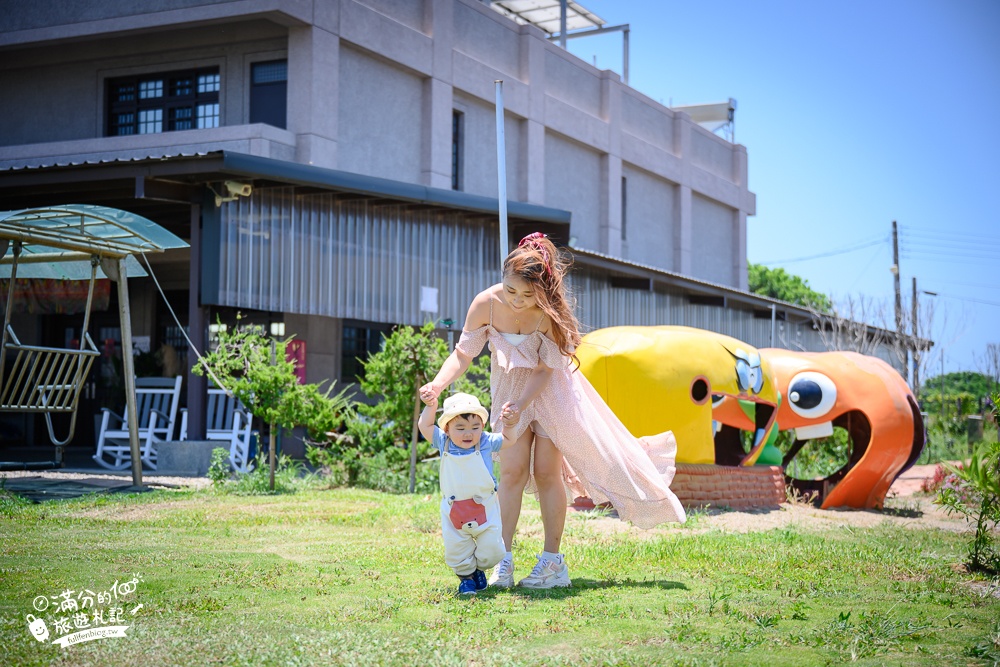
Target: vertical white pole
column 501, row 173
column 774, row 316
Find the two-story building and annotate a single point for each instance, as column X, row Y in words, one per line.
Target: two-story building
column 334, row 161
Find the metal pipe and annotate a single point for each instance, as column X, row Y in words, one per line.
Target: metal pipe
column 562, row 23
column 501, row 173
column 625, row 54
column 10, row 307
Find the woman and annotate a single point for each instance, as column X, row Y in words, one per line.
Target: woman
column 562, row 429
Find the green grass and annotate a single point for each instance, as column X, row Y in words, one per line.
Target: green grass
column 350, row 577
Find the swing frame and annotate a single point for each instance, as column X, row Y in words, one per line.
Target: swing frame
column 50, row 380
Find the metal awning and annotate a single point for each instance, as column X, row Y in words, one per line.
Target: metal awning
column 545, row 14
column 58, row 241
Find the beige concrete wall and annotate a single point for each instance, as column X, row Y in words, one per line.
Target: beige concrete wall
column 372, row 87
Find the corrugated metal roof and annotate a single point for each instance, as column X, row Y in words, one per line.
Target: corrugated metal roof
column 243, row 165
column 112, row 158
column 679, row 278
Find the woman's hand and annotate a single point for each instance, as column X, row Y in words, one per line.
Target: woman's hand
column 429, row 394
column 510, row 413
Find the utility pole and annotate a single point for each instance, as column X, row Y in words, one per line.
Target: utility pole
column 942, row 387
column 895, row 274
column 900, row 334
column 916, row 343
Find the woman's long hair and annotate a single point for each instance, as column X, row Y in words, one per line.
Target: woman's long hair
column 537, row 261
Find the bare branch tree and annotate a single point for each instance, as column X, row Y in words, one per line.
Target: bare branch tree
column 989, row 363
column 846, row 328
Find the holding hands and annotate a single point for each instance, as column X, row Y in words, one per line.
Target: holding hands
column 429, row 394
column 510, row 413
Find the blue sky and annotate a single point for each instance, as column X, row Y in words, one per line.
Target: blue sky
column 854, row 114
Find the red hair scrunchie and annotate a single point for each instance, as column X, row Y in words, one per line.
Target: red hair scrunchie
column 533, row 241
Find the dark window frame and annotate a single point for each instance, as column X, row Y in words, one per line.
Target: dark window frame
column 367, row 337
column 171, row 106
column 262, row 110
column 624, row 206
column 457, row 148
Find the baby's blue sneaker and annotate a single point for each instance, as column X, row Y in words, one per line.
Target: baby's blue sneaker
column 467, row 586
column 480, row 578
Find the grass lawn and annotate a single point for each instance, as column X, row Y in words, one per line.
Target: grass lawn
column 357, row 578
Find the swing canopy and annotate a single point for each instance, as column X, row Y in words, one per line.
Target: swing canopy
column 59, row 241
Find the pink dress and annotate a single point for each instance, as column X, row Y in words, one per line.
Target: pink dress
column 602, row 459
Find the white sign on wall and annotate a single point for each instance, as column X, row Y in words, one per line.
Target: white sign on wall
column 428, row 299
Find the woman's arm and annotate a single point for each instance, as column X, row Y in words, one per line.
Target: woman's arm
column 536, row 383
column 534, row 386
column 457, row 362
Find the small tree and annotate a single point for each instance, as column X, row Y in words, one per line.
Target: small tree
column 256, row 370
column 407, row 360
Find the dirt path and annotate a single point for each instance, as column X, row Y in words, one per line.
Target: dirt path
column 905, row 506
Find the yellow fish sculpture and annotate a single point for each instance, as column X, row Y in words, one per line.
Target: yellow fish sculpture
column 668, row 378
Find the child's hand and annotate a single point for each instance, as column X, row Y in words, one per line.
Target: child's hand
column 429, row 395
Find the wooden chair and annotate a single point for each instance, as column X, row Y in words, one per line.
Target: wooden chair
column 227, row 420
column 157, row 400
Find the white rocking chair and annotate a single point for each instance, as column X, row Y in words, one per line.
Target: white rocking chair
column 229, row 421
column 156, row 407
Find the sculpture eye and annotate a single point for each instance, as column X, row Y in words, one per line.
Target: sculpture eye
column 811, row 394
column 749, row 377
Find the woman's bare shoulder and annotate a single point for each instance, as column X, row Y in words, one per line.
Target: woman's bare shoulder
column 479, row 310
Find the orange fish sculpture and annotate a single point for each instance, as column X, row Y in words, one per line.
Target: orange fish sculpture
column 861, row 394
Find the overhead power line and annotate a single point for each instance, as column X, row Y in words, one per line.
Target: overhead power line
column 831, row 253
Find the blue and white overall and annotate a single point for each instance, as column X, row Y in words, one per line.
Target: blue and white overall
column 470, row 513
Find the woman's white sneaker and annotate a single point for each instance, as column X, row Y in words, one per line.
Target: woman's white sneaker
column 503, row 574
column 547, row 573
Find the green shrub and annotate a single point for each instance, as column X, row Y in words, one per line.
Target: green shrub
column 820, row 457
column 287, row 478
column 374, row 451
column 218, row 469
column 977, row 497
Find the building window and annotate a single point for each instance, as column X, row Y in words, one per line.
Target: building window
column 150, row 121
column 154, row 103
column 624, row 205
column 457, row 147
column 360, row 340
column 269, row 93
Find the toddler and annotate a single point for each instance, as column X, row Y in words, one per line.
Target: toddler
column 470, row 514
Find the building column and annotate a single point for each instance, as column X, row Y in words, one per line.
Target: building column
column 684, row 231
column 197, row 385
column 611, row 166
column 532, row 165
column 684, row 225
column 438, row 102
column 313, row 93
column 741, row 278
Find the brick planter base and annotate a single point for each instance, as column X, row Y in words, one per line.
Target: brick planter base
column 698, row 485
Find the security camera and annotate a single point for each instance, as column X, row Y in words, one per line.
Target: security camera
column 236, row 188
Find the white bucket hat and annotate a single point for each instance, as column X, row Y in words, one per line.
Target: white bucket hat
column 461, row 404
